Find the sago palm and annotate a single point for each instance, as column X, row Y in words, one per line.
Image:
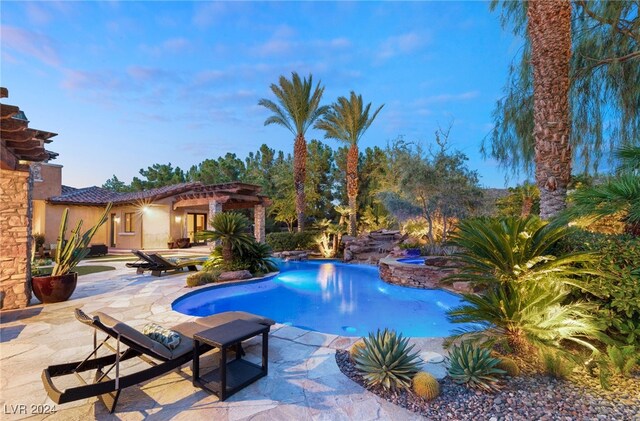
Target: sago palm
column 619, row 194
column 527, row 316
column 297, row 108
column 514, row 249
column 347, row 120
column 230, row 228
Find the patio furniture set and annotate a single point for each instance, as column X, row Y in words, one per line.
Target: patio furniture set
column 157, row 264
column 223, row 332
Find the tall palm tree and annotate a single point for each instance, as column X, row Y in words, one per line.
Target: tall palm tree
column 297, row 109
column 346, row 121
column 549, row 27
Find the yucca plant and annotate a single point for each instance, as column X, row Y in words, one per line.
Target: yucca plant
column 514, row 249
column 386, row 360
column 69, row 252
column 475, row 367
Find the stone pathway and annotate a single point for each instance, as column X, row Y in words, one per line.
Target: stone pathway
column 304, row 381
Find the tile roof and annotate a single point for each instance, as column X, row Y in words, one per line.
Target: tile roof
column 99, row 196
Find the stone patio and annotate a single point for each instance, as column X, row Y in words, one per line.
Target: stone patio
column 304, row 381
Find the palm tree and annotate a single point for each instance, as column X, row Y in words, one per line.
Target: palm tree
column 346, row 121
column 549, row 27
column 297, row 109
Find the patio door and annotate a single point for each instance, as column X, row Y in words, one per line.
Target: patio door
column 112, row 231
column 196, row 222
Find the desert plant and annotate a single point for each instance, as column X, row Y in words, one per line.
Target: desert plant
column 475, row 367
column 509, row 366
column 356, row 349
column 623, row 359
column 203, row 277
column 69, row 252
column 426, row 386
column 556, row 364
column 386, row 360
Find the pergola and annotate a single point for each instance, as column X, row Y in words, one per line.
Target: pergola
column 229, row 196
column 19, row 142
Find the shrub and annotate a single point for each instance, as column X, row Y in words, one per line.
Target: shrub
column 285, row 241
column 203, row 277
column 555, row 364
column 616, row 290
column 475, row 367
column 255, row 258
column 386, row 360
column 426, row 386
column 38, row 238
column 509, row 366
column 623, row 359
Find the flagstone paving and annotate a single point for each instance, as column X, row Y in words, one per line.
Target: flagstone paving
column 304, row 381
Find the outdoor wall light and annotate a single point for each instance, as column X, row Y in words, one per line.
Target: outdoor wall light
column 145, row 209
column 116, row 219
column 178, row 219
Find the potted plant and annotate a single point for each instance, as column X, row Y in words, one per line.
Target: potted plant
column 170, row 243
column 60, row 284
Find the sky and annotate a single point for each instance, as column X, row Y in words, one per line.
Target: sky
column 129, row 84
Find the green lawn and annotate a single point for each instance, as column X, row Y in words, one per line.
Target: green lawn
column 86, row 270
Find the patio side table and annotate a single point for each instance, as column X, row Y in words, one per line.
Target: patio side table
column 234, row 375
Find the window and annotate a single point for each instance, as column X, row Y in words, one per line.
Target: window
column 128, row 222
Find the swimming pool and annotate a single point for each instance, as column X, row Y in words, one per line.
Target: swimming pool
column 330, row 297
column 412, row 260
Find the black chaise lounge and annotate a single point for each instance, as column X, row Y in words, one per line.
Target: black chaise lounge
column 136, row 345
column 158, row 264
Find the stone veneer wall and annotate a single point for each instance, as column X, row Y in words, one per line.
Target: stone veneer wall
column 15, row 239
column 417, row 276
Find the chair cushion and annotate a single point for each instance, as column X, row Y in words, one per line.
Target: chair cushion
column 135, row 336
column 166, row 337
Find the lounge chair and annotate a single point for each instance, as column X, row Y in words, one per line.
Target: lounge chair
column 163, row 265
column 143, row 263
column 137, row 345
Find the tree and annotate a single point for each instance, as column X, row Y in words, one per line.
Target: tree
column 319, row 183
column 225, row 169
column 297, row 109
column 114, row 184
column 549, row 27
column 604, row 91
column 522, row 200
column 158, row 175
column 346, row 121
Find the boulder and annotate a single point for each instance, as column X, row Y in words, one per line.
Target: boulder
column 235, row 275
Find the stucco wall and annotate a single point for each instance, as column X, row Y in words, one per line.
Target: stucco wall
column 88, row 214
column 49, row 181
column 155, row 226
column 15, row 239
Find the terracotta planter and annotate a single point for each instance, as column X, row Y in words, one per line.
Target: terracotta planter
column 54, row 289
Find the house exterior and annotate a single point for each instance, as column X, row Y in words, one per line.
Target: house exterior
column 140, row 220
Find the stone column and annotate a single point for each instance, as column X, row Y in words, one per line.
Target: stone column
column 259, row 223
column 214, row 209
column 15, row 239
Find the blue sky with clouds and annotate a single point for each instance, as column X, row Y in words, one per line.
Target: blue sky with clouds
column 129, row 84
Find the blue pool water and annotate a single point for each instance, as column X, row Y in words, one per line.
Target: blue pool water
column 412, row 260
column 330, row 297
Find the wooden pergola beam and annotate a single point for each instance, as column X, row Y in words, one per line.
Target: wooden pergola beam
column 21, row 136
column 13, row 125
column 8, row 111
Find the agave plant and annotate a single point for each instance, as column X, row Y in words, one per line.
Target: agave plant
column 386, row 360
column 475, row 367
column 69, row 252
column 514, row 249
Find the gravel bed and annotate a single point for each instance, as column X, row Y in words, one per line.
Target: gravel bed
column 530, row 397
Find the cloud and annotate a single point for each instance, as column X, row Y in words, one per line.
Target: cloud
column 169, row 46
column 407, row 43
column 447, row 97
column 150, row 74
column 37, row 15
column 206, row 14
column 31, row 44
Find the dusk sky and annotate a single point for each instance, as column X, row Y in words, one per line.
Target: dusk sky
column 129, row 84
